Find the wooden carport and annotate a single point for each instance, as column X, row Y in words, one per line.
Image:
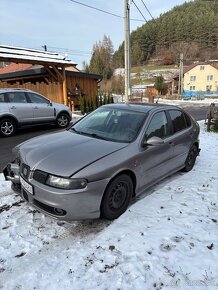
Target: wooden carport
column 54, row 63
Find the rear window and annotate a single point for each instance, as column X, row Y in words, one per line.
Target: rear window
column 178, row 120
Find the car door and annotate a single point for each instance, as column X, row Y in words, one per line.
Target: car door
column 20, row 107
column 181, row 136
column 42, row 108
column 154, row 159
column 3, row 104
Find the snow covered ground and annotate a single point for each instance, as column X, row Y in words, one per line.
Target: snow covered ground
column 181, row 103
column 167, row 239
column 187, row 103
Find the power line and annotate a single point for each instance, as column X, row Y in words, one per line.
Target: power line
column 95, row 8
column 103, row 11
column 139, row 10
column 70, row 50
column 147, row 9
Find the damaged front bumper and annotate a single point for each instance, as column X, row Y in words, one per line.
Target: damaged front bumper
column 11, row 173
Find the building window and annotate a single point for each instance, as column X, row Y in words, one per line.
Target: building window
column 210, row 77
column 192, row 88
column 208, row 88
column 202, row 67
column 192, row 78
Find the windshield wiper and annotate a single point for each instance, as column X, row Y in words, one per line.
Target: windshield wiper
column 94, row 135
column 74, row 130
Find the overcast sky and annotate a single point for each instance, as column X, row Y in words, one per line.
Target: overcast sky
column 62, row 24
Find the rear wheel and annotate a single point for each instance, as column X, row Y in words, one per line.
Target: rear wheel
column 63, row 120
column 191, row 158
column 117, row 197
column 7, row 127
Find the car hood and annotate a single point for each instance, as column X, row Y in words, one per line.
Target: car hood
column 64, row 153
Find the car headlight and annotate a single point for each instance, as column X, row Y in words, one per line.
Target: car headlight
column 66, row 183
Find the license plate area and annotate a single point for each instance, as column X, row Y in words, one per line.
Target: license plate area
column 28, row 187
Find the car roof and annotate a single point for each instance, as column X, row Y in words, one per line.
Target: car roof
column 5, row 90
column 140, row 107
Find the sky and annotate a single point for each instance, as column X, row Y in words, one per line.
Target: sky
column 166, row 240
column 65, row 26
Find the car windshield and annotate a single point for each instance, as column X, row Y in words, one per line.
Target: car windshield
column 111, row 124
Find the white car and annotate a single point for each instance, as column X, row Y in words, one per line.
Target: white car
column 20, row 107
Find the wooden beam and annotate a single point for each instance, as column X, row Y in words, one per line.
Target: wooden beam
column 59, row 75
column 55, row 77
column 64, row 85
column 46, row 80
column 22, row 78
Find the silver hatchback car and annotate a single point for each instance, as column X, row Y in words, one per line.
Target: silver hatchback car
column 19, row 107
column 98, row 165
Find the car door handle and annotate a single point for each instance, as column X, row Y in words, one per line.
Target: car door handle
column 35, row 107
column 13, row 107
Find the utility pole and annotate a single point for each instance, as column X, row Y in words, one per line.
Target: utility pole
column 181, row 69
column 127, row 51
column 180, row 87
column 45, row 47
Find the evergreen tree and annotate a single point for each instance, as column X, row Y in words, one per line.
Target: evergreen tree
column 194, row 22
column 88, row 106
column 81, row 102
column 100, row 101
column 159, row 84
column 97, row 101
column 85, row 106
column 102, row 56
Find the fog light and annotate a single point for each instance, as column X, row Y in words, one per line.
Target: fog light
column 59, row 211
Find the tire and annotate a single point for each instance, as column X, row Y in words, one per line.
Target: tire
column 191, row 158
column 117, row 197
column 7, row 127
column 63, row 120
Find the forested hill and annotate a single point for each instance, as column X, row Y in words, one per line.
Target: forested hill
column 191, row 28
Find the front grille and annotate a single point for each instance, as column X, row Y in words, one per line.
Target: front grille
column 40, row 176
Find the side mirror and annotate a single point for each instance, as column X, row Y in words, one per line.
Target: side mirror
column 153, row 141
column 50, row 103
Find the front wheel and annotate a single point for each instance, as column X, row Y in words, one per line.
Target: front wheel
column 117, row 197
column 7, row 127
column 63, row 120
column 191, row 158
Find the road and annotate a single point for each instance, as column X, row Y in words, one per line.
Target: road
column 6, row 144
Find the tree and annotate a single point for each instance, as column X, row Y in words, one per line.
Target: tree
column 101, row 60
column 191, row 28
column 159, row 84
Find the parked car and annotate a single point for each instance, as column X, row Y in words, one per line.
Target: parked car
column 99, row 164
column 20, row 107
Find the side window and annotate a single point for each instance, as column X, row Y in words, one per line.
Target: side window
column 188, row 120
column 178, row 120
column 158, row 126
column 17, row 97
column 34, row 98
column 2, row 98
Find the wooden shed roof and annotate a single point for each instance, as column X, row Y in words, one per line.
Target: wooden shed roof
column 25, row 55
column 36, row 71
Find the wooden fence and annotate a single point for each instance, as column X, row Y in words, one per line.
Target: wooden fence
column 52, row 91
